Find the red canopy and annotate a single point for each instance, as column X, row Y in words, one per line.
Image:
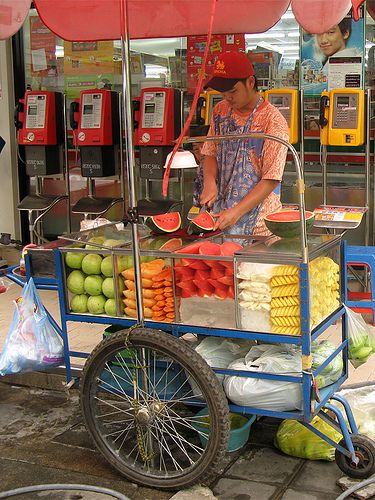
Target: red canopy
column 12, row 16
column 81, row 20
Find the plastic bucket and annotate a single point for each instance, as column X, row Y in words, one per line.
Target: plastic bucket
column 240, row 426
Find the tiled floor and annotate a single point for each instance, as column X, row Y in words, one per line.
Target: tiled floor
column 84, row 336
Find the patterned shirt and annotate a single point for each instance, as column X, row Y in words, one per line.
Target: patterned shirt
column 269, row 161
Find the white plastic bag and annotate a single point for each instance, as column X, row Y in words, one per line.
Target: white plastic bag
column 261, row 393
column 32, row 342
column 219, row 353
column 361, row 340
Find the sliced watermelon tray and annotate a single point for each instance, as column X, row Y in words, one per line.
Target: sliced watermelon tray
column 206, row 277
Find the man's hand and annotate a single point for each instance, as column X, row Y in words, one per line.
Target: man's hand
column 227, row 218
column 209, row 193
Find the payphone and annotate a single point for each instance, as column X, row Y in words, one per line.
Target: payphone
column 40, row 123
column 342, row 117
column 206, row 103
column 286, row 101
column 95, row 120
column 159, row 126
column 39, row 120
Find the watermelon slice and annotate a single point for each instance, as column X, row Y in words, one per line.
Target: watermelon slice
column 184, row 273
column 202, row 274
column 203, row 287
column 226, row 280
column 217, row 273
column 164, row 223
column 209, row 248
column 203, row 223
column 231, row 292
column 286, row 223
column 195, row 264
column 221, row 293
column 228, row 248
column 191, row 249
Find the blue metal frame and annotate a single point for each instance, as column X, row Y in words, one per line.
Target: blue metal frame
column 311, row 406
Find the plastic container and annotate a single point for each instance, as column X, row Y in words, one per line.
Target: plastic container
column 239, row 433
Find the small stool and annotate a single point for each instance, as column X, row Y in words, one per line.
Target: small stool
column 41, row 205
column 363, row 302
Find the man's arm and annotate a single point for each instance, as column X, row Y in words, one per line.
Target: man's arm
column 256, row 196
column 209, row 192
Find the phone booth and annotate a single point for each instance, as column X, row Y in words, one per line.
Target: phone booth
column 95, row 121
column 39, row 120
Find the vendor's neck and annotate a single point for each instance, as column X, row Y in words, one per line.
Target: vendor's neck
column 252, row 102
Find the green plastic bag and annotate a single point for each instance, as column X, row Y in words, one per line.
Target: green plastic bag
column 292, row 438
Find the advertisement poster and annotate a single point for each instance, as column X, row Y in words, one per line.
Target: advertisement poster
column 337, row 55
column 196, row 45
column 88, row 65
column 43, row 49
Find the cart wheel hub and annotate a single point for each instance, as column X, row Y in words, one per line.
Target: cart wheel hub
column 144, row 417
column 157, row 408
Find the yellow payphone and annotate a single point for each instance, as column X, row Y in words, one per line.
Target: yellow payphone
column 342, row 117
column 286, row 101
column 206, row 103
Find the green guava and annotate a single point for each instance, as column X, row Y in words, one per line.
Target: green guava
column 78, row 304
column 95, row 304
column 108, row 287
column 74, row 259
column 93, row 284
column 91, row 263
column 98, row 240
column 110, row 307
column 75, row 282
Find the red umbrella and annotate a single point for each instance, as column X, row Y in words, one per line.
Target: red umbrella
column 81, row 20
column 12, row 16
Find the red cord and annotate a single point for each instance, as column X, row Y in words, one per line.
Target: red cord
column 195, row 100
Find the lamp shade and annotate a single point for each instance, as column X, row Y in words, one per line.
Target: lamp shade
column 182, row 159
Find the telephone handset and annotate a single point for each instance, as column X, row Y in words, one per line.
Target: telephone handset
column 200, row 120
column 19, row 108
column 74, row 108
column 342, row 117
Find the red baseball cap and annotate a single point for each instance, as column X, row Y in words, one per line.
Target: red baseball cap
column 228, row 69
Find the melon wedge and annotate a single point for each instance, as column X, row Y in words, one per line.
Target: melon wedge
column 286, row 223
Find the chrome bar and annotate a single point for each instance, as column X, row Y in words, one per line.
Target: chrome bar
column 301, row 129
column 66, row 171
column 129, row 145
column 367, row 166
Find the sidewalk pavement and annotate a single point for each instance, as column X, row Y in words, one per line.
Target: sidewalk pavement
column 43, row 440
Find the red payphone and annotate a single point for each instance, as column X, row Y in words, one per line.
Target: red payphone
column 95, row 121
column 159, row 126
column 39, row 120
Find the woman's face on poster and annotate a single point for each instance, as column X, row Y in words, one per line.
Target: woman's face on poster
column 332, row 41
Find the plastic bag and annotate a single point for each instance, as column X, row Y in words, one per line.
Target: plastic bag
column 219, row 353
column 361, row 339
column 261, row 393
column 321, row 350
column 362, row 403
column 292, row 438
column 32, row 342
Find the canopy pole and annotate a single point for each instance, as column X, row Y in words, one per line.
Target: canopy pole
column 132, row 215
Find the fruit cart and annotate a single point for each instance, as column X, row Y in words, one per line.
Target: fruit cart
column 144, row 387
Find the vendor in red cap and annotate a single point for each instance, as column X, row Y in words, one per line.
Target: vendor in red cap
column 242, row 176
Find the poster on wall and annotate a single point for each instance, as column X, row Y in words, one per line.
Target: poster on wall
column 43, row 49
column 88, row 65
column 195, row 50
column 334, row 59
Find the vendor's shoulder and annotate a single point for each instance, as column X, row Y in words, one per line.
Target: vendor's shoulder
column 221, row 107
column 272, row 115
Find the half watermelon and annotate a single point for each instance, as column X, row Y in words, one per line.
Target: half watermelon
column 164, row 223
column 203, row 223
column 286, row 223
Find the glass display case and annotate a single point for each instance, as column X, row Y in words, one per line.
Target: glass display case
column 269, row 291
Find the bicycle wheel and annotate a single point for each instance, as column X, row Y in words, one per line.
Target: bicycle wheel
column 140, row 392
